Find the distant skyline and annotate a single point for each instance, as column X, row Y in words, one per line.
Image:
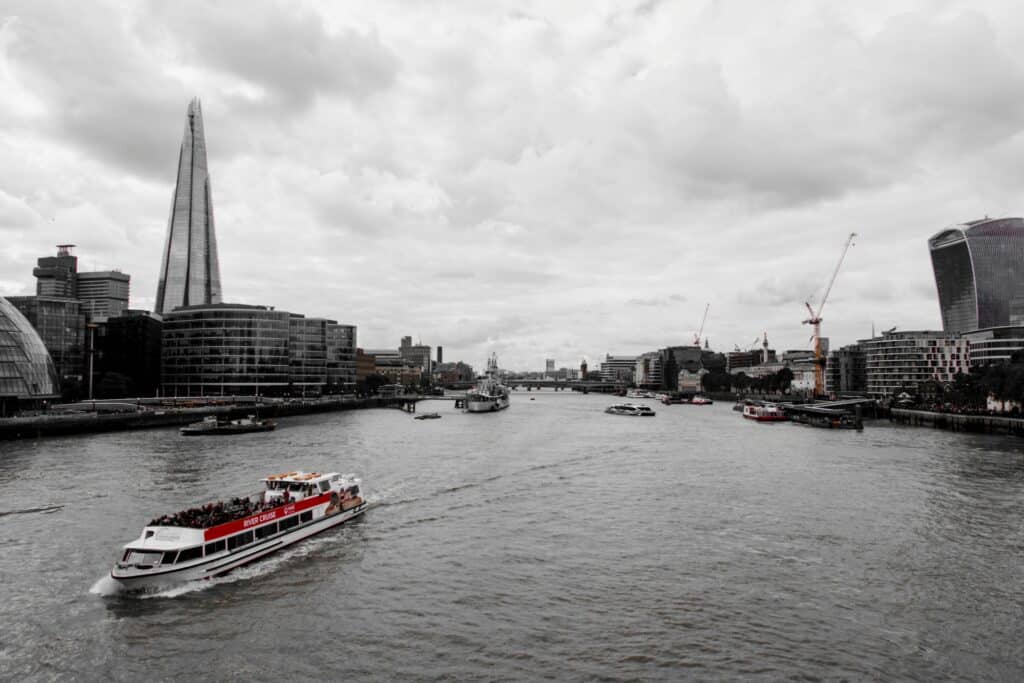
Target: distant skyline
column 539, row 180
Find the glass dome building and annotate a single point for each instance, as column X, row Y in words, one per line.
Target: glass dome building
column 27, row 372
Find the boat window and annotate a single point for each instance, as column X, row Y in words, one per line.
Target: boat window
column 267, row 530
column 306, row 516
column 239, row 540
column 214, row 547
column 289, row 522
column 190, row 554
column 324, row 485
column 169, row 556
column 354, row 490
column 134, row 556
column 296, row 486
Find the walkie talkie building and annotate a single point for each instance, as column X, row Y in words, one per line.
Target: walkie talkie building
column 979, row 273
column 189, row 270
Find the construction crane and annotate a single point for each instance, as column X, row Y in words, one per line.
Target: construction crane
column 815, row 322
column 696, row 337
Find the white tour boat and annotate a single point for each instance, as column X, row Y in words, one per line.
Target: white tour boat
column 633, row 409
column 489, row 394
column 769, row 412
column 206, row 541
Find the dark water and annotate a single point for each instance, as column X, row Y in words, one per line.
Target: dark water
column 547, row 541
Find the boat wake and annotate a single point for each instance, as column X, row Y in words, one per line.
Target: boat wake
column 28, row 511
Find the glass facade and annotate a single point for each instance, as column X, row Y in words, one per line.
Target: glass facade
column 995, row 345
column 899, row 361
column 235, row 349
column 60, row 323
column 190, row 270
column 977, row 269
column 26, row 369
column 224, row 350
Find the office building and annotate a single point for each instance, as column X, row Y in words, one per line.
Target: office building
column 55, row 275
column 978, row 268
column 618, row 369
column 994, row 344
column 901, row 361
column 60, row 323
column 104, row 294
column 647, row 373
column 846, row 371
column 189, row 269
column 127, row 359
column 27, row 373
column 549, row 366
column 417, row 355
column 675, row 359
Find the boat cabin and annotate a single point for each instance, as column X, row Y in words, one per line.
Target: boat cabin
column 294, row 486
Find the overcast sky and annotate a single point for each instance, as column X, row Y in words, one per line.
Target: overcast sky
column 542, row 180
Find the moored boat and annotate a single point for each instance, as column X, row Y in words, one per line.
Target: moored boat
column 768, row 412
column 633, row 409
column 207, row 541
column 489, row 395
column 212, row 425
column 428, row 416
column 700, row 401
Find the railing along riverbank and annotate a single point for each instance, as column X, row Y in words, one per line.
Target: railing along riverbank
column 959, row 422
column 151, row 417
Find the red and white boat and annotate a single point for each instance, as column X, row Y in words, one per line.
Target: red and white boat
column 768, row 412
column 213, row 539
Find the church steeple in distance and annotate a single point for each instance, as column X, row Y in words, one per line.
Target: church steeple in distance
column 189, row 269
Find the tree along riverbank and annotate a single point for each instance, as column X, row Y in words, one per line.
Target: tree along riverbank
column 81, row 423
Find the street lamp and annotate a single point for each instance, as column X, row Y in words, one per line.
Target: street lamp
column 92, row 351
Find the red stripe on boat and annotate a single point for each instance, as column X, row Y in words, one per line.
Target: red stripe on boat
column 258, row 519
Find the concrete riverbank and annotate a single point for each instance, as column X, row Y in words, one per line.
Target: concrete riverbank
column 155, row 417
column 961, row 423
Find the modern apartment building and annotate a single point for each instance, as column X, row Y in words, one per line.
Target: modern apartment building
column 900, row 361
column 994, row 344
column 978, row 268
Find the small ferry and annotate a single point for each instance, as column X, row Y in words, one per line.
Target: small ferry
column 699, row 400
column 633, row 409
column 769, row 412
column 428, row 416
column 210, row 540
column 212, row 425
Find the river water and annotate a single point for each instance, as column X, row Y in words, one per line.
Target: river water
column 550, row 540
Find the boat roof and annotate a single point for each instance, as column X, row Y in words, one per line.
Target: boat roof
column 301, row 477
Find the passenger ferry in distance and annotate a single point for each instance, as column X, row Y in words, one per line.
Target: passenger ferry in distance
column 207, row 541
column 633, row 409
column 769, row 412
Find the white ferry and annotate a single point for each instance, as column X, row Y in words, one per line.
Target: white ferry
column 769, row 412
column 634, row 409
column 489, row 395
column 207, row 541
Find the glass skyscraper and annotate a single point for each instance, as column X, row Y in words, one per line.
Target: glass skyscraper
column 189, row 270
column 978, row 268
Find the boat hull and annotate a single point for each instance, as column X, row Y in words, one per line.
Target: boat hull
column 488, row 405
column 222, row 563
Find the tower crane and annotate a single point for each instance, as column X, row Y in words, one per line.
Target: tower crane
column 696, row 337
column 815, row 322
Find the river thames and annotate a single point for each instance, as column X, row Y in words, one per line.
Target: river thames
column 548, row 541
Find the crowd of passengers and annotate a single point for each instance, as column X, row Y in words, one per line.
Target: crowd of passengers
column 213, row 514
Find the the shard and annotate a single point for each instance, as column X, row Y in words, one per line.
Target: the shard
column 189, row 270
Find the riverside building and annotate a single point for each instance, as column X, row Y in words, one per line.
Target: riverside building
column 901, row 361
column 27, row 373
column 978, row 269
column 239, row 349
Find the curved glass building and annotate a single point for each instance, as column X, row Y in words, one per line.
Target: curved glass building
column 26, row 369
column 225, row 349
column 978, row 269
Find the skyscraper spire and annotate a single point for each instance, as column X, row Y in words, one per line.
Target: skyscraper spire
column 189, row 269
